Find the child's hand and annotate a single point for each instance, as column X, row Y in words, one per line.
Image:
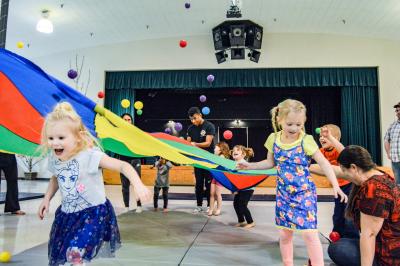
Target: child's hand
column 242, row 165
column 43, row 208
column 338, row 192
column 326, row 133
column 142, row 192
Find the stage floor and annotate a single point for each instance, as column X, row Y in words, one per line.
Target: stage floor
column 175, row 238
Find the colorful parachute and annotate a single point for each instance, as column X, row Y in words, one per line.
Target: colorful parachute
column 28, row 94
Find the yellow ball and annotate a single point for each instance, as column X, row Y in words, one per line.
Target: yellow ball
column 5, row 256
column 125, row 103
column 20, row 44
column 138, row 105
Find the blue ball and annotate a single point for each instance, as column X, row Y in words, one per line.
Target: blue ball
column 187, row 5
column 205, row 110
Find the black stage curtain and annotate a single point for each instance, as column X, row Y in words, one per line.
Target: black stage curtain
column 250, row 106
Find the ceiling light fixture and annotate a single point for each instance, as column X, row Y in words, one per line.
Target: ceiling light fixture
column 44, row 25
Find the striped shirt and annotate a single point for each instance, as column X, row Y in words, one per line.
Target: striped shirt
column 393, row 137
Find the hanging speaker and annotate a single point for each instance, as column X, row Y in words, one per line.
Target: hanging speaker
column 236, row 35
column 221, row 38
column 254, row 36
column 237, row 53
column 221, row 57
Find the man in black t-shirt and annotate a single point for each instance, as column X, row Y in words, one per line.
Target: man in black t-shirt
column 201, row 134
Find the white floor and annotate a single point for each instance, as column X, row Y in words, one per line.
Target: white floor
column 19, row 233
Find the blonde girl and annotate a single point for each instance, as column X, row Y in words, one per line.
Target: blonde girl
column 221, row 149
column 290, row 150
column 242, row 197
column 85, row 224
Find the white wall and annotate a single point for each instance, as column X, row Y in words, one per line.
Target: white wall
column 279, row 50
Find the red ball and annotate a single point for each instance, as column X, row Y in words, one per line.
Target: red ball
column 100, row 94
column 334, row 236
column 183, row 43
column 228, row 134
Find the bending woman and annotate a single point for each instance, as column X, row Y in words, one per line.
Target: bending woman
column 374, row 206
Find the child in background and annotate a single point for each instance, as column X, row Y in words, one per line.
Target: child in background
column 85, row 224
column 331, row 148
column 162, row 182
column 242, row 197
column 221, row 149
column 290, row 149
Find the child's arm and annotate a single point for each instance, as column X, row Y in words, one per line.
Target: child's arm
column 51, row 190
column 316, row 169
column 330, row 174
column 265, row 164
column 127, row 170
column 325, row 132
column 155, row 164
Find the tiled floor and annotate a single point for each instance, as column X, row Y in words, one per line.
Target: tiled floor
column 154, row 238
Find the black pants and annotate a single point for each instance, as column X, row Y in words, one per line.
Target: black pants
column 203, row 179
column 126, row 183
column 240, row 202
column 8, row 164
column 342, row 225
column 164, row 195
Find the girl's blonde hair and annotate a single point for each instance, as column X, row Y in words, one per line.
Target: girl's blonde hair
column 224, row 147
column 65, row 112
column 282, row 110
column 248, row 152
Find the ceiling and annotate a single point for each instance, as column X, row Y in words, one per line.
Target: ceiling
column 86, row 23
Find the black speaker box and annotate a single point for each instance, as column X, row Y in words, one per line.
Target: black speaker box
column 236, row 35
column 237, row 53
column 221, row 38
column 254, row 36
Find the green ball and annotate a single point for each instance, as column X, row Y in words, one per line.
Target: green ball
column 139, row 112
column 318, row 130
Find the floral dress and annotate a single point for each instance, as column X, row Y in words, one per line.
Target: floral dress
column 296, row 197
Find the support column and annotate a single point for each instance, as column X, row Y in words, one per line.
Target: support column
column 3, row 22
